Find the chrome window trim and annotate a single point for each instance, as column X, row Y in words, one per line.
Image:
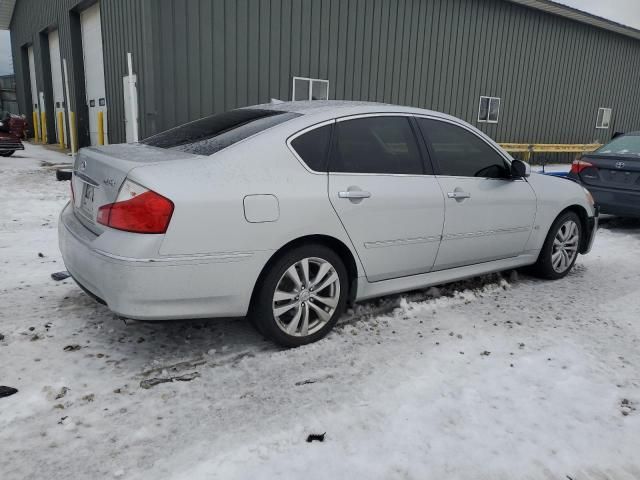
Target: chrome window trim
column 416, row 175
column 394, row 114
column 373, row 114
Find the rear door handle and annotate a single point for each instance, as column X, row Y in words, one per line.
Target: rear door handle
column 354, row 194
column 458, row 195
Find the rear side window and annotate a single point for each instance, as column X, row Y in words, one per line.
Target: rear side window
column 312, row 147
column 460, row 153
column 212, row 134
column 376, row 145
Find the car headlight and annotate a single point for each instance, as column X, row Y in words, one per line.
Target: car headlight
column 590, row 199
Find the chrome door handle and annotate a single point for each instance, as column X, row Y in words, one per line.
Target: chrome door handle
column 354, row 194
column 458, row 195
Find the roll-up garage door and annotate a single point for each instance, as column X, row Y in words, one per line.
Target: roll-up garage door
column 34, row 91
column 94, row 70
column 58, row 89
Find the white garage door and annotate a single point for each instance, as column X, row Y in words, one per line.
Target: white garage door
column 58, row 91
column 34, row 89
column 94, row 70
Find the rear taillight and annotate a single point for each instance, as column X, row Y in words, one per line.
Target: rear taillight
column 137, row 209
column 579, row 165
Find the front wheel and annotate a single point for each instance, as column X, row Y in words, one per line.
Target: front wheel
column 560, row 249
column 7, row 153
column 302, row 296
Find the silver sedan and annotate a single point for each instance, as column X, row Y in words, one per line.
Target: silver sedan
column 287, row 212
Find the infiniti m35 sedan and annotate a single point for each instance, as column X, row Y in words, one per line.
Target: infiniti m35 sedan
column 287, row 212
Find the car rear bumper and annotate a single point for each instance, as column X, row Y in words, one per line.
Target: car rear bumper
column 622, row 203
column 159, row 288
column 10, row 145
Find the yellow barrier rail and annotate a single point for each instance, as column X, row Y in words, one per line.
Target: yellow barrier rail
column 529, row 148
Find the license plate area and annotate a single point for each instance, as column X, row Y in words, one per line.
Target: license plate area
column 86, row 201
column 619, row 177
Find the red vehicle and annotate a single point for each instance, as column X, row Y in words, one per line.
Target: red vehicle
column 12, row 129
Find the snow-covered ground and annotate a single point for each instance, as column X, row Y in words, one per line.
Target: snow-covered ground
column 552, row 167
column 496, row 378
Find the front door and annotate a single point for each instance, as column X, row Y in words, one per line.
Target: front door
column 385, row 195
column 488, row 215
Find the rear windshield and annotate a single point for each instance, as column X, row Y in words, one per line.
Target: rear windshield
column 624, row 145
column 212, row 134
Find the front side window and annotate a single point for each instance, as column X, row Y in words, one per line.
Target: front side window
column 604, row 118
column 461, row 153
column 489, row 110
column 384, row 145
column 212, row 134
column 312, row 147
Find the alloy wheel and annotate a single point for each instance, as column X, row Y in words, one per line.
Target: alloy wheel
column 306, row 297
column 565, row 246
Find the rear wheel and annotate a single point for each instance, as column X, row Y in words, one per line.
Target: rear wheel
column 7, row 153
column 302, row 296
column 560, row 249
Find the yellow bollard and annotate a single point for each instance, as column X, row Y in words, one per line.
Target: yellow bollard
column 100, row 128
column 43, row 126
column 61, row 129
column 73, row 134
column 36, row 127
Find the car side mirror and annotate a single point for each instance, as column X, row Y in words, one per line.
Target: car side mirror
column 520, row 169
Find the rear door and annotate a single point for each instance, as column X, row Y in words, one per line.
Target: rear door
column 488, row 216
column 385, row 195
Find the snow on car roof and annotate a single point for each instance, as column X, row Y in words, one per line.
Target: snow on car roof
column 324, row 106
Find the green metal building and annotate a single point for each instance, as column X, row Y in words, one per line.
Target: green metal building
column 523, row 71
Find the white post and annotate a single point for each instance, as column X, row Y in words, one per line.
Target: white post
column 72, row 131
column 133, row 102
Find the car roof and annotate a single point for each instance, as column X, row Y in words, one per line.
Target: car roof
column 318, row 111
column 333, row 108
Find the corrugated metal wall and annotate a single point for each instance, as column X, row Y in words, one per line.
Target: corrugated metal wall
column 196, row 57
column 123, row 30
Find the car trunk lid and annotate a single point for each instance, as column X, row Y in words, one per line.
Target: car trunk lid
column 99, row 172
column 619, row 172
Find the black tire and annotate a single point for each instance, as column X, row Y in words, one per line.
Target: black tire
column 7, row 153
column 544, row 268
column 262, row 309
